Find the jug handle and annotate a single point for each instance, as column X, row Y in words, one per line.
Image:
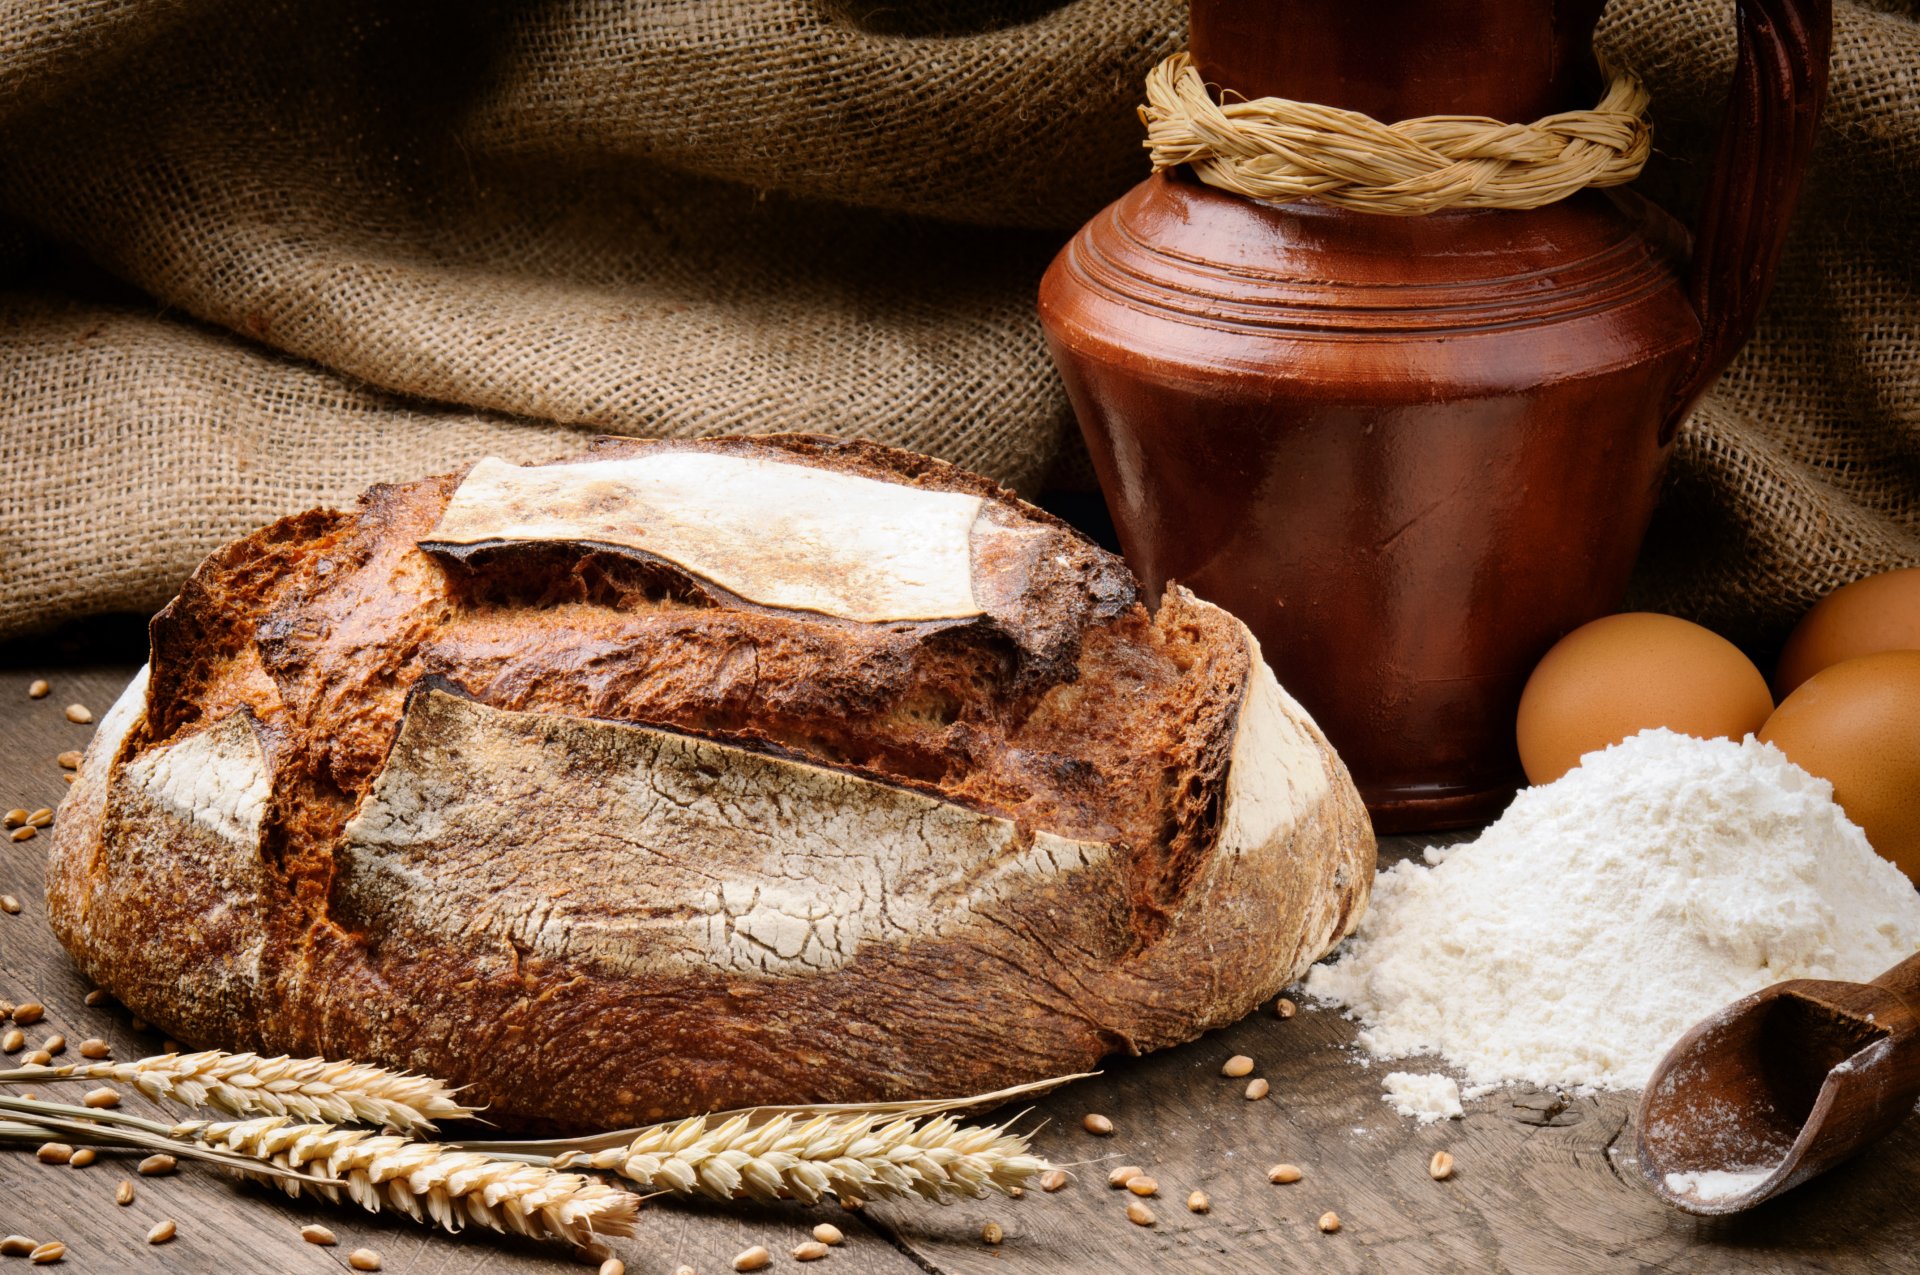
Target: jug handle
column 1766, row 137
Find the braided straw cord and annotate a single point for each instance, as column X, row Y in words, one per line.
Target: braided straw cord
column 1279, row 150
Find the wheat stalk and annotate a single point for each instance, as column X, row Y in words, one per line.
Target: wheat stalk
column 427, row 1180
column 249, row 1085
column 804, row 1159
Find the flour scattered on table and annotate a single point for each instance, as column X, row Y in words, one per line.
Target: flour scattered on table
column 1607, row 912
column 1425, row 1097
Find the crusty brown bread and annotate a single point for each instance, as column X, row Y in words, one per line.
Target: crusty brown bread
column 698, row 774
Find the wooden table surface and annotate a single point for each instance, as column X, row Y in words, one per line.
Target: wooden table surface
column 1541, row 1185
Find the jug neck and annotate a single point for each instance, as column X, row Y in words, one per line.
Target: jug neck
column 1513, row 60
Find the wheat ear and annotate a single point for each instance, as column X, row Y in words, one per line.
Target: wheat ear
column 787, row 1157
column 249, row 1085
column 426, row 1180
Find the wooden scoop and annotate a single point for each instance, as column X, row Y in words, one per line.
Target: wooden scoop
column 1780, row 1087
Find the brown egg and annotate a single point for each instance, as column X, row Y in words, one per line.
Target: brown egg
column 1857, row 726
column 1623, row 674
column 1879, row 613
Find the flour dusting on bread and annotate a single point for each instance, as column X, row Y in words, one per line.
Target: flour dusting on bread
column 779, row 534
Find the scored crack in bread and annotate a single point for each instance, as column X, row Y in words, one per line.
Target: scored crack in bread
column 692, row 775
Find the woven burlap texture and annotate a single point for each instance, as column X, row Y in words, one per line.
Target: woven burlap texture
column 255, row 256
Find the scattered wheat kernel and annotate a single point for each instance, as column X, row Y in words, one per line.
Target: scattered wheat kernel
column 38, row 688
column 155, row 1165
column 752, row 1259
column 314, row 1233
column 84, row 1157
column 102, row 1097
column 72, row 779
column 27, row 1013
column 54, row 1044
column 1284, row 1008
column 79, row 714
column 16, row 816
column 1284, row 1173
column 1198, row 1202
column 1096, row 1124
column 162, row 1231
column 48, row 1253
column 1124, row 1174
column 1016, row 1193
column 123, row 1192
column 23, row 834
column 1329, row 1222
column 94, row 1047
column 364, row 1259
column 96, row 998
column 613, row 1266
column 852, row 1203
column 1440, row 1168
column 1237, row 1066
column 1053, row 1180
column 17, row 1246
column 828, row 1233
column 1141, row 1184
column 14, row 1041
column 54, row 1153
column 1257, row 1088
column 1139, row 1214
column 37, row 1058
column 41, row 818
column 70, row 760
column 138, row 1023
column 9, row 904
column 810, row 1251
column 6, row 1010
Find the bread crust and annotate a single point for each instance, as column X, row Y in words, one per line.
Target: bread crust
column 610, row 840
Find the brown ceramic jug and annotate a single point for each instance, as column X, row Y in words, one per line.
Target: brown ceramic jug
column 1413, row 451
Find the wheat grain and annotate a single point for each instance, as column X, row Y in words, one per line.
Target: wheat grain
column 249, row 1085
column 425, row 1180
column 856, row 1155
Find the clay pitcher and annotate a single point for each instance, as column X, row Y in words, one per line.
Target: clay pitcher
column 1413, row 451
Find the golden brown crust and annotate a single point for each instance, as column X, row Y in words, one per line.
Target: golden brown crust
column 1093, row 743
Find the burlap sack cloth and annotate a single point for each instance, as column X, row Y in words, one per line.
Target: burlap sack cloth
column 255, row 255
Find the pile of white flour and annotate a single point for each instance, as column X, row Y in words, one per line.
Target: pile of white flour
column 1608, row 911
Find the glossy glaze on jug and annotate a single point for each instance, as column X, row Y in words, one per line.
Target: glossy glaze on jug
column 1410, row 452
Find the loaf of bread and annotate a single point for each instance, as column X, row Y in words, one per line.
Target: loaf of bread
column 691, row 775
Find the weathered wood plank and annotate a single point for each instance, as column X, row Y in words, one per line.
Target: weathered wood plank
column 1527, row 1196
